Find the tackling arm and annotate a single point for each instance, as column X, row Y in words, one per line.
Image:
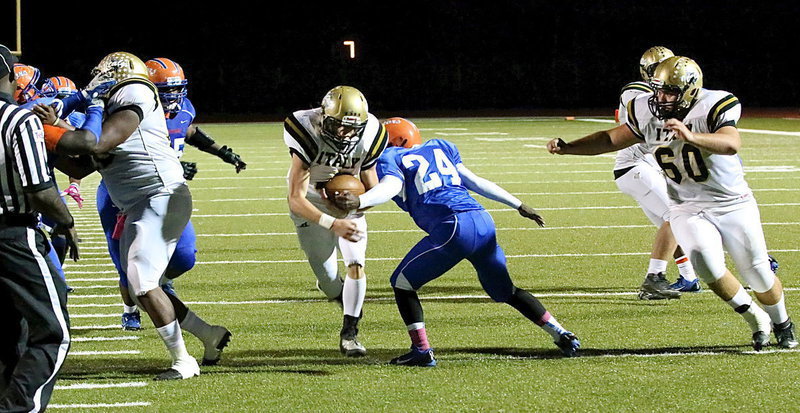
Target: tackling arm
column 596, row 143
column 199, row 139
column 486, row 188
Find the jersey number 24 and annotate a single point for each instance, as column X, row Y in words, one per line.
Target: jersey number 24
column 425, row 181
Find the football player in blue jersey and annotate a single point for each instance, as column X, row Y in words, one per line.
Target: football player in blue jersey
column 430, row 182
column 29, row 96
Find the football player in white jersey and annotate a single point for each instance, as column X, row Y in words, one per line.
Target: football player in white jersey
column 145, row 180
column 340, row 137
column 637, row 174
column 692, row 132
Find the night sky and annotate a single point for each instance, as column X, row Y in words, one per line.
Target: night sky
column 415, row 56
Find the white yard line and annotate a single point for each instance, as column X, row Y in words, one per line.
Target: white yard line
column 88, row 386
column 103, row 353
column 97, row 405
column 118, row 338
column 72, row 316
column 97, row 327
column 392, row 211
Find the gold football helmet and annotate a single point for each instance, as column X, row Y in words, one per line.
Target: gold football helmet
column 121, row 66
column 677, row 80
column 651, row 58
column 344, row 117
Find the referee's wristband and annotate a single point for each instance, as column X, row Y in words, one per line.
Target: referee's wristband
column 326, row 221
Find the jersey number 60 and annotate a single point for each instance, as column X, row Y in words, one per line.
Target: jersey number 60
column 692, row 162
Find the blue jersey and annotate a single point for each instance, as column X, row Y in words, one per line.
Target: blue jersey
column 432, row 189
column 178, row 125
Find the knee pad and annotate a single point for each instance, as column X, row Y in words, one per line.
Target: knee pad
column 706, row 270
column 760, row 277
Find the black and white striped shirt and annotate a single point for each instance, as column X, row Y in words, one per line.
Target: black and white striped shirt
column 23, row 157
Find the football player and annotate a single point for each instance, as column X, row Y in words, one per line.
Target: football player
column 430, row 182
column 179, row 113
column 61, row 87
column 637, row 174
column 692, row 133
column 340, row 136
column 28, row 96
column 147, row 185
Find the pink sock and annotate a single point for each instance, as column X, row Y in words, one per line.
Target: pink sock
column 419, row 337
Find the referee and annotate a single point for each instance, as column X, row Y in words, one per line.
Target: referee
column 34, row 324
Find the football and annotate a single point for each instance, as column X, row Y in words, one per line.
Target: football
column 344, row 182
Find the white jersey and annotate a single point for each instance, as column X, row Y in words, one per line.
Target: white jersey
column 144, row 164
column 303, row 134
column 696, row 176
column 632, row 155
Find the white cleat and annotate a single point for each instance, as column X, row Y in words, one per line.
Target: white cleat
column 760, row 324
column 182, row 369
column 214, row 347
column 351, row 347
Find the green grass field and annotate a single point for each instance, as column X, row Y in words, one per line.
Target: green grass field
column 691, row 354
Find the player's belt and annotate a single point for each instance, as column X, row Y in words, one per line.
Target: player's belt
column 619, row 172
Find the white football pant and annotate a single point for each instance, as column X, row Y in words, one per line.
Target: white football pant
column 702, row 233
column 319, row 245
column 647, row 185
column 152, row 229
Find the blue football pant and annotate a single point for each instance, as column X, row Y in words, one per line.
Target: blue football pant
column 466, row 235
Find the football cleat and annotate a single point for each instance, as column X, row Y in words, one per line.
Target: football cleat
column 786, row 336
column 760, row 324
column 656, row 287
column 213, row 349
column 132, row 321
column 760, row 340
column 351, row 347
column 180, row 370
column 416, row 357
column 569, row 344
column 686, row 286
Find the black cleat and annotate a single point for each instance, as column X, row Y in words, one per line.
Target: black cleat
column 785, row 336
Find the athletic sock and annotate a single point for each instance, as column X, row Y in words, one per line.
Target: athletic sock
column 173, row 339
column 777, row 312
column 552, row 326
column 197, row 326
column 743, row 304
column 130, row 309
column 656, row 266
column 419, row 337
column 353, row 294
column 740, row 301
column 685, row 268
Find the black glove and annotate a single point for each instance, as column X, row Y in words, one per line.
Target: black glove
column 531, row 214
column 189, row 170
column 226, row 154
column 346, row 201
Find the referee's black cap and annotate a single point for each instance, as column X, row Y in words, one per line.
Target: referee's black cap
column 7, row 61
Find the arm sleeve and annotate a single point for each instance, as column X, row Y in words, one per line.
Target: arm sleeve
column 386, row 189
column 486, row 188
column 30, row 154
